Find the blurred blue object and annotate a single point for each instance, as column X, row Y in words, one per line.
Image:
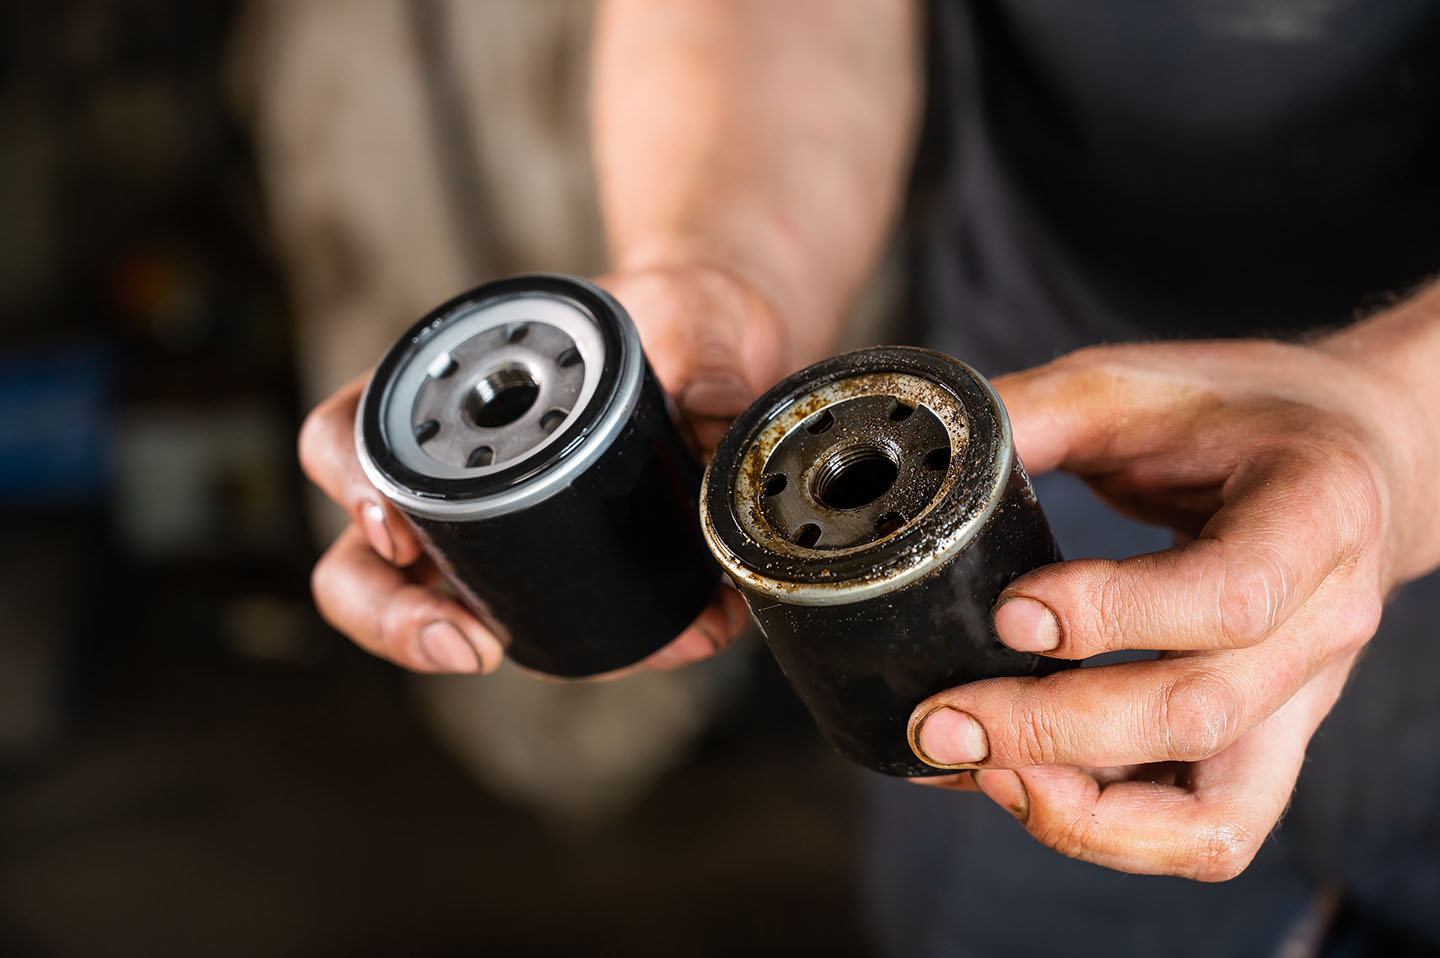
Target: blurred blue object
column 56, row 426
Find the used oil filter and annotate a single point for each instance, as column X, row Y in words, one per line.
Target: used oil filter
column 871, row 508
column 522, row 432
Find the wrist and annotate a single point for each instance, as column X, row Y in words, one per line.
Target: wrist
column 1393, row 357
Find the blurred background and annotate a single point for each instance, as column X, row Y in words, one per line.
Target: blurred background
column 211, row 215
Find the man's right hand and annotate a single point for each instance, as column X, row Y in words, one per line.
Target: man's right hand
column 715, row 344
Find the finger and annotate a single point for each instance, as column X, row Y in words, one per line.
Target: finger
column 1079, row 411
column 389, row 615
column 1180, row 708
column 711, row 632
column 1285, row 527
column 710, row 339
column 961, row 782
column 1210, row 830
column 327, row 454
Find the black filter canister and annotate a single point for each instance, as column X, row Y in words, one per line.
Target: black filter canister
column 871, row 508
column 522, row 432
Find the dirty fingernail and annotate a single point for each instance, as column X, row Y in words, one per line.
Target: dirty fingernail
column 721, row 396
column 1004, row 789
column 1027, row 625
column 372, row 518
column 946, row 737
column 446, row 648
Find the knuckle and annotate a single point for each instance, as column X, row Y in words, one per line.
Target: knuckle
column 1225, row 850
column 398, row 626
column 1033, row 739
column 1095, row 360
column 1090, row 370
column 1361, row 617
column 1068, row 836
column 1342, row 487
column 409, row 610
column 323, row 584
column 1199, row 717
column 311, row 440
column 1110, row 601
column 1251, row 599
column 1360, row 504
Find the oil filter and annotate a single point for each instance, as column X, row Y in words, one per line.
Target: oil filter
column 871, row 508
column 522, row 432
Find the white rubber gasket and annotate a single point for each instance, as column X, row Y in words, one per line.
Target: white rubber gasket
column 555, row 310
column 397, row 415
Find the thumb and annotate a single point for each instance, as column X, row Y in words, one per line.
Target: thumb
column 715, row 394
column 1084, row 412
column 713, row 340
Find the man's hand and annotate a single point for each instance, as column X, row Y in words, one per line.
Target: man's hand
column 715, row 345
column 1299, row 480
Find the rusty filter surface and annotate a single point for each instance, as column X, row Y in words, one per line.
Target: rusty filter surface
column 871, row 509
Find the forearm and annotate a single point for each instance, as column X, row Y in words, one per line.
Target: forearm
column 1401, row 348
column 769, row 139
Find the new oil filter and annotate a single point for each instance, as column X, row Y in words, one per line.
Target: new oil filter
column 871, row 508
column 522, row 432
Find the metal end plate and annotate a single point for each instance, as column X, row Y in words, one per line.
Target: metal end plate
column 857, row 476
column 494, row 387
column 850, row 464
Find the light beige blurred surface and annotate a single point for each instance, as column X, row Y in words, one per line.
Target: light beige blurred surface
column 367, row 115
column 411, row 150
column 365, row 122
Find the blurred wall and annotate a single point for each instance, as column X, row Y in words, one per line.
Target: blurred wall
column 412, row 150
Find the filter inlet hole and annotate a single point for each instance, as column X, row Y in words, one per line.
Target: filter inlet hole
column 774, row 485
column 938, row 460
column 501, row 397
column 821, row 423
column 807, row 535
column 854, row 477
column 889, row 522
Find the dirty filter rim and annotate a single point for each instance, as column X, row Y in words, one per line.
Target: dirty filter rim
column 892, row 563
column 550, row 468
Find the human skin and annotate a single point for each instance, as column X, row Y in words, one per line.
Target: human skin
column 750, row 159
column 1301, row 481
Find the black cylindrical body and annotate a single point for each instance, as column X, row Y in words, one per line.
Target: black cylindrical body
column 521, row 430
column 871, row 508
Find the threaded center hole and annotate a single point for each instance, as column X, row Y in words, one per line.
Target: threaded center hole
column 854, row 477
column 502, row 397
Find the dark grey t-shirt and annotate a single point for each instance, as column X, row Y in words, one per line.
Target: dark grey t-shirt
column 1102, row 170
column 1120, row 168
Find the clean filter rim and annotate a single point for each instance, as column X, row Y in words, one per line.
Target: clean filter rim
column 547, row 469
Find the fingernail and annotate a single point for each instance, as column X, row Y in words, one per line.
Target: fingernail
column 1005, row 789
column 1027, row 625
column 690, row 647
column 447, row 649
column 717, row 644
column 719, row 396
column 372, row 518
column 947, row 738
